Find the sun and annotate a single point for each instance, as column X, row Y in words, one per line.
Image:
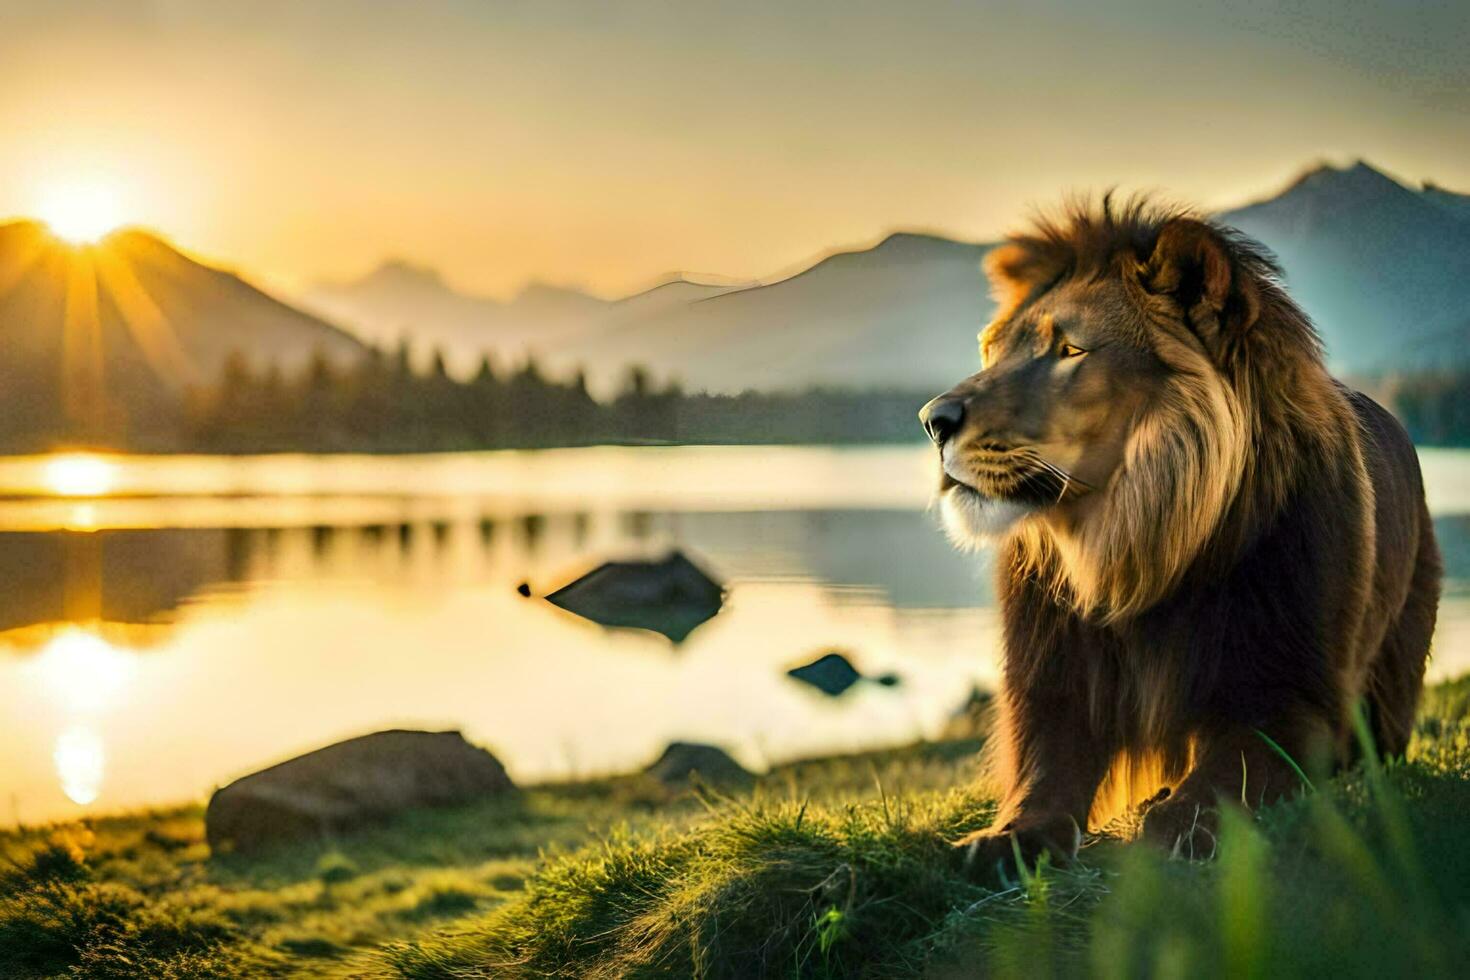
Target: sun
column 81, row 210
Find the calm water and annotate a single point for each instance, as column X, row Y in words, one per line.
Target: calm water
column 169, row 624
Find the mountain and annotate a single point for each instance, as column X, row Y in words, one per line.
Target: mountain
column 103, row 340
column 400, row 300
column 903, row 313
column 1383, row 269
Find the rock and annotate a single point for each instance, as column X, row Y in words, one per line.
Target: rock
column 681, row 760
column 671, row 597
column 350, row 784
column 833, row 674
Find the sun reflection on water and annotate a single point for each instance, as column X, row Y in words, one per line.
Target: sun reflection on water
column 82, row 671
column 82, row 517
column 80, row 759
column 80, row 475
column 84, row 675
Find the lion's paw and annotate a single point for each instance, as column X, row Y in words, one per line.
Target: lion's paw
column 1185, row 827
column 987, row 853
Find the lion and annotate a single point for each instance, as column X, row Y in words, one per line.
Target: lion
column 1210, row 552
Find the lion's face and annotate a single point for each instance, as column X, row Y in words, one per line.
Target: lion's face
column 1045, row 424
column 1111, row 425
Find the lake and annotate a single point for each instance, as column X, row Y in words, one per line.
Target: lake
column 170, row 623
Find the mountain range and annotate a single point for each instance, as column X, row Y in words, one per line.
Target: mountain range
column 110, row 337
column 400, row 301
column 1384, row 270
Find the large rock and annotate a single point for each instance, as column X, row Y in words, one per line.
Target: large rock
column 671, row 597
column 683, row 761
column 344, row 786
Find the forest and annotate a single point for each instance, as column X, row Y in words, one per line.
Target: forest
column 385, row 403
column 1435, row 408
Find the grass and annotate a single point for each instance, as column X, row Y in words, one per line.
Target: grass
column 831, row 868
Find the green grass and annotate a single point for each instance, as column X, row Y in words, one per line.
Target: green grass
column 831, row 868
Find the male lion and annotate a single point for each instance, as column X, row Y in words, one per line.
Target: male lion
column 1210, row 550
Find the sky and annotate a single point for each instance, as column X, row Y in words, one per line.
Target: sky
column 606, row 144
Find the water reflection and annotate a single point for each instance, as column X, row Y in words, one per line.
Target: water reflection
column 80, row 475
column 115, row 577
column 148, row 577
column 82, row 672
column 80, row 759
column 82, row 676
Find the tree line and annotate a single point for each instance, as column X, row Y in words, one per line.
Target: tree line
column 389, row 402
column 383, row 403
column 1434, row 407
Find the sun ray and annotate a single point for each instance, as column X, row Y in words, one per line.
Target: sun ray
column 145, row 320
column 15, row 263
column 83, row 392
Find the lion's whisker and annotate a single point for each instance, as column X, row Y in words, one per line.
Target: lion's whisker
column 1067, row 479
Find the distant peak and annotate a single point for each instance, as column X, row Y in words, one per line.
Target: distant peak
column 401, row 270
column 1357, row 178
column 1431, row 187
column 701, row 280
column 135, row 235
column 536, row 291
column 901, row 239
column 898, row 245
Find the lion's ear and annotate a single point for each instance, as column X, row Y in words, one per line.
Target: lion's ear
column 1192, row 263
column 1014, row 270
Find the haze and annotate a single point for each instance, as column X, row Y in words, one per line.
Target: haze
column 606, row 145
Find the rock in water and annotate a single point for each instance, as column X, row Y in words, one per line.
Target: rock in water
column 832, row 674
column 671, row 597
column 681, row 760
column 344, row 786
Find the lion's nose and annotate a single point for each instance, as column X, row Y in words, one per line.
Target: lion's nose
column 941, row 418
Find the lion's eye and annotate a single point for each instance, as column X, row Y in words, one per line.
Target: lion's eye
column 1071, row 350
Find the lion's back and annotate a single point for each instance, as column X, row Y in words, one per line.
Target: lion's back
column 1401, row 516
column 1407, row 573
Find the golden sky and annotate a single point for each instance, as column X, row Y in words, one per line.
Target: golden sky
column 605, row 144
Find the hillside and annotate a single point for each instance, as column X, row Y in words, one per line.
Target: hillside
column 1383, row 270
column 101, row 341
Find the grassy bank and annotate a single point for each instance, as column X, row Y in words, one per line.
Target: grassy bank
column 825, row 869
